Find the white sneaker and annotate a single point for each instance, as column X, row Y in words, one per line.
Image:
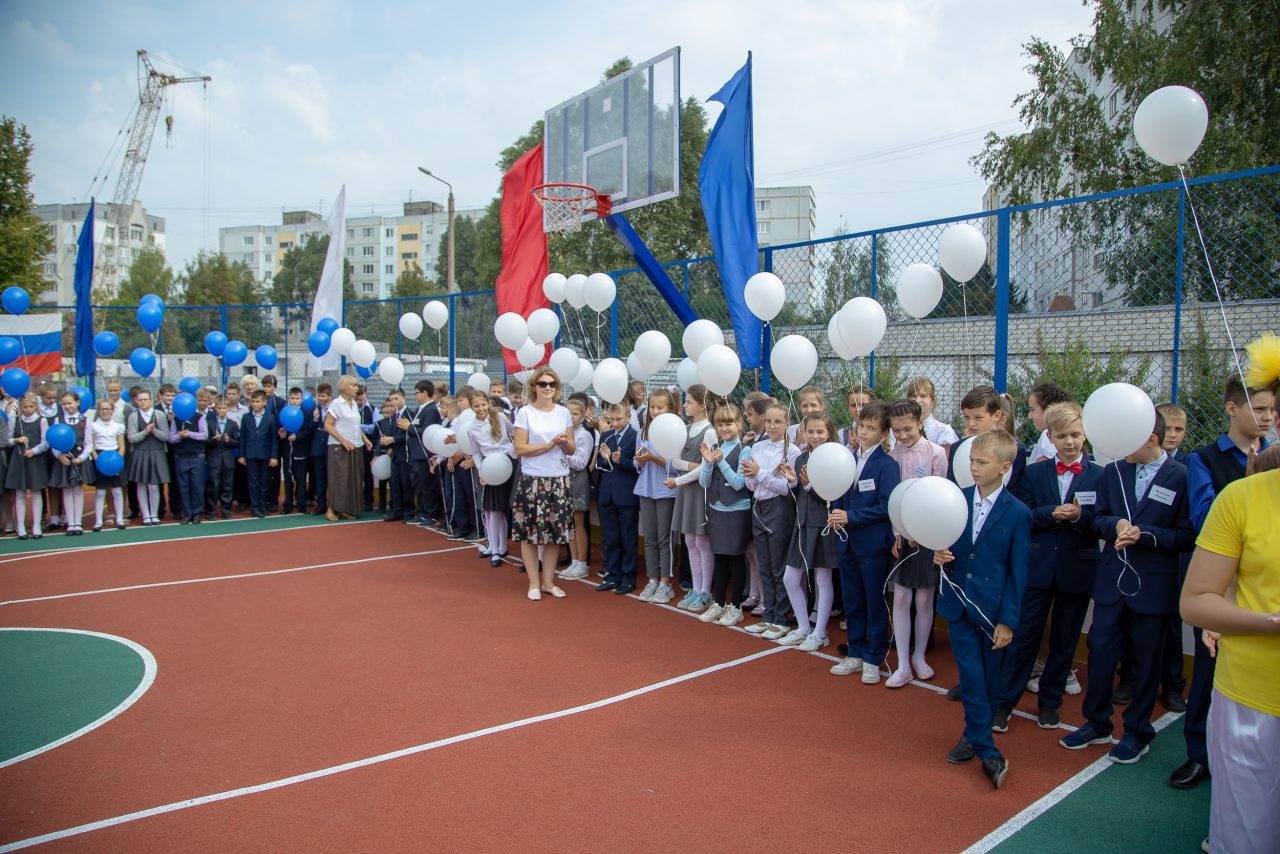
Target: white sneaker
column 576, row 572
column 795, row 637
column 758, row 628
column 646, row 595
column 1073, row 684
column 774, row 632
column 870, row 673
column 814, row 642
column 846, row 666
column 712, row 613
column 1033, row 684
column 731, row 616
column 664, row 595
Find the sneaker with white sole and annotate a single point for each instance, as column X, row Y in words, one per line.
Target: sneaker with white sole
column 758, row 628
column 846, row 667
column 870, row 673
column 795, row 637
column 813, row 642
column 574, row 572
column 664, row 595
column 700, row 602
column 712, row 613
column 646, row 595
column 686, row 601
column 774, row 632
column 731, row 616
column 1073, row 684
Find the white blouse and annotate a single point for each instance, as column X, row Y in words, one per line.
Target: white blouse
column 346, row 420
column 104, row 435
column 483, row 442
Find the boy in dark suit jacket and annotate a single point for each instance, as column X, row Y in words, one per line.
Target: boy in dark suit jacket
column 296, row 449
column 981, row 592
column 1144, row 518
column 416, row 421
column 616, row 500
column 864, row 553
column 317, row 463
column 274, row 475
column 259, row 450
column 221, row 453
column 1062, row 494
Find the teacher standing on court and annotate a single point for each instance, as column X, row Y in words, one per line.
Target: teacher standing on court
column 541, row 511
column 347, row 444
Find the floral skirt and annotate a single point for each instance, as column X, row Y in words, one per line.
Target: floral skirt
column 541, row 511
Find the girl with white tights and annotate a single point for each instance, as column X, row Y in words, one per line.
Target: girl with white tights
column 490, row 434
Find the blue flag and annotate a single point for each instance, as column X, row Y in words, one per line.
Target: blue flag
column 86, row 359
column 726, row 180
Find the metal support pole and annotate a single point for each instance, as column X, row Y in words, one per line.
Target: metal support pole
column 1177, row 294
column 284, row 314
column 453, row 344
column 1000, row 372
column 453, row 282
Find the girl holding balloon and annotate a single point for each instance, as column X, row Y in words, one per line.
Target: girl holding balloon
column 103, row 435
column 71, row 467
column 148, row 460
column 28, row 472
column 657, row 502
column 491, row 435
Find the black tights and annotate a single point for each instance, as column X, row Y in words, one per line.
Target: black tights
column 729, row 581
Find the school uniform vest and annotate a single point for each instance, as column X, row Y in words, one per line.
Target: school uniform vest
column 79, row 428
column 189, row 447
column 719, row 491
column 811, row 508
column 1222, row 465
column 152, row 440
column 30, row 429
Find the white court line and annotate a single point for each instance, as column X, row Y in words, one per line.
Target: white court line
column 380, row 758
column 76, row 549
column 148, row 676
column 228, row 577
column 1037, row 808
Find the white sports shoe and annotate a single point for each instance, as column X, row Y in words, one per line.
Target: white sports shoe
column 795, row 637
column 1073, row 684
column 664, row 595
column 814, row 642
column 646, row 595
column 846, row 667
column 731, row 616
column 870, row 673
column 774, row 632
column 573, row 573
column 712, row 612
column 758, row 628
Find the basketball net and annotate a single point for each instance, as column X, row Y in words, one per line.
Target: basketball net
column 564, row 205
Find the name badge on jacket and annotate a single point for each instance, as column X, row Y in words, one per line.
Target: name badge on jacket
column 867, row 485
column 1164, row 496
column 1086, row 499
column 920, row 471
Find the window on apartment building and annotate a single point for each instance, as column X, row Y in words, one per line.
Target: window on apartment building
column 1113, row 104
column 351, row 232
column 248, row 241
column 286, row 244
column 366, row 250
column 409, row 235
column 151, row 239
column 762, row 206
column 367, row 287
column 389, row 251
column 389, row 269
column 267, row 239
column 135, row 232
column 109, row 232
column 135, row 253
column 428, row 229
column 351, row 252
column 390, row 232
column 409, row 256
column 52, row 270
column 367, row 269
column 762, row 229
column 366, row 232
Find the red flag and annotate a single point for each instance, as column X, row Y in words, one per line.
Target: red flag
column 524, row 245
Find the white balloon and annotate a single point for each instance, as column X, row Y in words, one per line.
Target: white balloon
column 610, row 380
column 934, row 512
column 495, row 469
column 862, row 323
column 381, row 467
column 1118, row 418
column 831, row 470
column 583, row 378
column 442, row 446
column 522, row 376
column 410, row 325
column 793, row 361
column 700, row 335
column 719, row 369
column 687, row 373
column 391, row 369
column 668, row 433
column 599, row 291
column 553, row 287
column 637, row 370
column 510, row 330
column 1170, row 123
column 480, row 381
column 341, row 340
column 530, row 354
column 842, row 349
column 653, row 351
column 462, row 429
column 362, row 353
column 564, row 361
column 765, row 295
column 895, row 504
column 960, row 466
column 436, row 314
column 919, row 289
column 430, row 435
column 543, row 325
column 961, row 251
column 575, row 290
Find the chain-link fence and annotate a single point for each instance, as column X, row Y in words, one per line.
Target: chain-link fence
column 1079, row 291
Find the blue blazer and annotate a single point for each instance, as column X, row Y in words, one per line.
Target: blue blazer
column 1166, row 532
column 319, row 439
column 222, row 454
column 1015, row 473
column 1063, row 554
column 259, row 442
column 993, row 571
column 618, row 487
column 869, row 531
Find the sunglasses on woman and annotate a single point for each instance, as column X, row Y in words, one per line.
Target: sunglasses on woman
column 546, row 384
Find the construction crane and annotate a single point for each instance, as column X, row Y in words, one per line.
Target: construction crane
column 152, row 85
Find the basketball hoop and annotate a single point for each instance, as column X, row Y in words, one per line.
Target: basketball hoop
column 564, row 205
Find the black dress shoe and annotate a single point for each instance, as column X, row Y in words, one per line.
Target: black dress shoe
column 1122, row 694
column 961, row 753
column 607, row 584
column 995, row 768
column 1174, row 702
column 953, row 693
column 623, row 591
column 1188, row 775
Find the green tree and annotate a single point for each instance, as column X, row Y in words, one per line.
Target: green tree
column 464, row 252
column 1204, row 369
column 24, row 238
column 211, row 280
column 299, row 276
column 412, row 282
column 148, row 274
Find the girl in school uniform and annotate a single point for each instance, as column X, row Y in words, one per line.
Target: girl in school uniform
column 729, row 516
column 657, row 503
column 811, row 401
column 28, row 472
column 491, row 434
column 148, row 463
column 104, row 433
column 753, row 407
column 72, row 471
column 689, row 517
column 580, row 491
column 773, row 518
column 921, row 390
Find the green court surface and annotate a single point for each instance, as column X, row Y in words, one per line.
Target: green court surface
column 55, row 683
column 1126, row 808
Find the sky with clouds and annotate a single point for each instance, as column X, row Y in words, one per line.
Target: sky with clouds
column 878, row 104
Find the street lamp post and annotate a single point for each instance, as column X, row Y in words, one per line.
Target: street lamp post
column 451, row 282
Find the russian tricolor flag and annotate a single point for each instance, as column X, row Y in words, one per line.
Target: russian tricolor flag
column 41, row 338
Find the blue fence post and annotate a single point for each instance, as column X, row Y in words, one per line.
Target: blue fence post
column 223, row 325
column 613, row 328
column 453, row 343
column 560, row 330
column 1000, row 371
column 766, row 332
column 684, row 278
column 875, row 257
column 1177, row 294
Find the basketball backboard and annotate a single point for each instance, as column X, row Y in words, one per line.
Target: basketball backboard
column 621, row 137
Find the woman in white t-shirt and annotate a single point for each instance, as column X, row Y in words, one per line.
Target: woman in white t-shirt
column 345, row 453
column 541, row 511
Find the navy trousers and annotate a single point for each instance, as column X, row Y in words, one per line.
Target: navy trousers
column 619, row 527
column 1068, row 610
column 980, row 669
column 1112, row 626
column 295, row 482
column 256, row 472
column 318, row 471
column 464, row 502
column 862, row 579
column 190, row 477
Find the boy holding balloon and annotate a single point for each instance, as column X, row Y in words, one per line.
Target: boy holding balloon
column 188, row 434
column 296, row 445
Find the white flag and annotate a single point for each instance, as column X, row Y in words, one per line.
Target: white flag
column 328, row 301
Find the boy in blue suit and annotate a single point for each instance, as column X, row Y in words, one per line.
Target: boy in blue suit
column 317, row 463
column 1062, row 494
column 259, row 450
column 616, row 500
column 981, row 594
column 221, row 453
column 296, row 448
column 864, row 553
column 1144, row 518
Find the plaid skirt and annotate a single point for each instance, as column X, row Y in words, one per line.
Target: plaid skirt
column 541, row 511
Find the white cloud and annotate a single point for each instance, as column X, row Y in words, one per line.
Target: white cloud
column 41, row 40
